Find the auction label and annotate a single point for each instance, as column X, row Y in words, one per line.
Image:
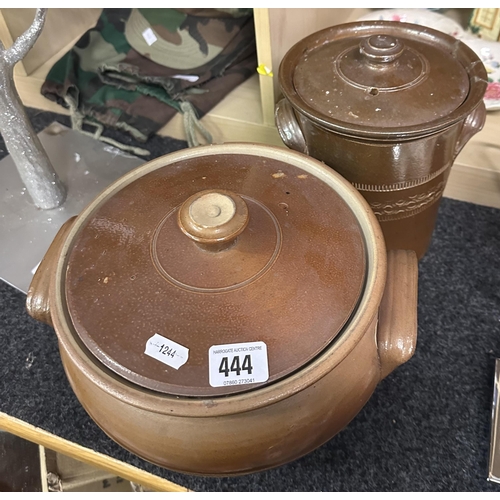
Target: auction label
column 238, row 364
column 149, row 36
column 167, row 351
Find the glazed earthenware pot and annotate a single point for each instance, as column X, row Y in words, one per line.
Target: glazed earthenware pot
column 226, row 309
column 389, row 106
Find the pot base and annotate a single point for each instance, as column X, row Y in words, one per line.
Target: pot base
column 236, row 443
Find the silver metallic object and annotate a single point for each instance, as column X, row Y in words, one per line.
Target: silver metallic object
column 494, row 462
column 86, row 165
column 31, row 160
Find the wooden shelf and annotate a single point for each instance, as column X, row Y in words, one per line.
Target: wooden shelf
column 475, row 176
column 86, row 455
column 236, row 118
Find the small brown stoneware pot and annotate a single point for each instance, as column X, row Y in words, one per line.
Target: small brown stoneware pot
column 389, row 106
column 226, row 309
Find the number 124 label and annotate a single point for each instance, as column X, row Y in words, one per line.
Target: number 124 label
column 238, row 364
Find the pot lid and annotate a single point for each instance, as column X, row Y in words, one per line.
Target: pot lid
column 210, row 272
column 376, row 76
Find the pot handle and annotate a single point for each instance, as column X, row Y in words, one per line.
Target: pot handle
column 37, row 301
column 472, row 125
column 288, row 127
column 397, row 321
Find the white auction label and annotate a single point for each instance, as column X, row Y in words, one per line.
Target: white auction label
column 167, row 351
column 238, row 364
column 149, row 36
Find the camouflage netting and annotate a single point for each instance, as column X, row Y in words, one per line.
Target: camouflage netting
column 138, row 67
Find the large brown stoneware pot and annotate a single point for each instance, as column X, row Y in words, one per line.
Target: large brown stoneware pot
column 389, row 106
column 226, row 309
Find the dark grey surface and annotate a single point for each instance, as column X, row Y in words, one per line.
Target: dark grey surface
column 427, row 426
column 20, row 469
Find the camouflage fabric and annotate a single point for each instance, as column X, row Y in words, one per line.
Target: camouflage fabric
column 138, row 67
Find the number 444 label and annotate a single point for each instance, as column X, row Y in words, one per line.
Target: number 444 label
column 238, row 364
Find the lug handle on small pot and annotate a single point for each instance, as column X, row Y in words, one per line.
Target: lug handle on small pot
column 37, row 301
column 473, row 124
column 397, row 322
column 288, row 127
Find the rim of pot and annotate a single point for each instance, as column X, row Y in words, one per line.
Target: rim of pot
column 324, row 363
column 462, row 52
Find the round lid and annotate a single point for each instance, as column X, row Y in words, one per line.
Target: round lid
column 377, row 77
column 210, row 271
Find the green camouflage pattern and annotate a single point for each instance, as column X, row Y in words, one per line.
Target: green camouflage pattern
column 110, row 76
column 181, row 41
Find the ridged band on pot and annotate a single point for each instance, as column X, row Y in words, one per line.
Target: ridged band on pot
column 148, row 400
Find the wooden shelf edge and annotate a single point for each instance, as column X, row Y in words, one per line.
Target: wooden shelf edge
column 78, row 452
column 474, row 185
column 265, row 57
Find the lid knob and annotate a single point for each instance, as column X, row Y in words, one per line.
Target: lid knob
column 213, row 218
column 381, row 48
